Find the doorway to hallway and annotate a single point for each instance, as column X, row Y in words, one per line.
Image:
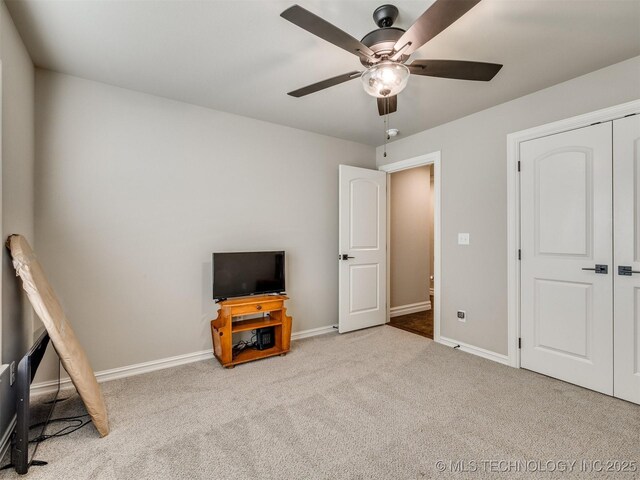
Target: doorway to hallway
column 411, row 249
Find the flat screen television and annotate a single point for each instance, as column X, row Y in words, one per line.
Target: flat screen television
column 240, row 274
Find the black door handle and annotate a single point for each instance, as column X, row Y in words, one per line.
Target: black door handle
column 344, row 256
column 604, row 269
column 626, row 270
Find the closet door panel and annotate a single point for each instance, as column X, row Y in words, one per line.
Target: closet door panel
column 626, row 191
column 566, row 221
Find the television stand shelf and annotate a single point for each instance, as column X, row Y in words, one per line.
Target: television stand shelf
column 223, row 327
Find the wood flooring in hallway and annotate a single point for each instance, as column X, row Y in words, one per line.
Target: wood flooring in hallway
column 420, row 323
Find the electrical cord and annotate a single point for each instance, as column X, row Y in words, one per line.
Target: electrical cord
column 78, row 423
column 243, row 344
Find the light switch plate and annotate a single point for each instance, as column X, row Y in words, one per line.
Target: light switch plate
column 463, row 239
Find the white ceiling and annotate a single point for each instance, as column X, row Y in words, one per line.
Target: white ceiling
column 241, row 57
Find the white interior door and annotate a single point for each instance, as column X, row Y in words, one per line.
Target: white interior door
column 626, row 201
column 363, row 248
column 566, row 224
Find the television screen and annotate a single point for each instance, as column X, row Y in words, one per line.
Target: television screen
column 247, row 273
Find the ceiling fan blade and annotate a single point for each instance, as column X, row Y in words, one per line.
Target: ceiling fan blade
column 387, row 105
column 434, row 20
column 458, row 69
column 323, row 29
column 329, row 82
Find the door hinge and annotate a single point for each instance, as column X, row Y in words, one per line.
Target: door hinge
column 519, row 254
column 519, row 343
column 518, row 165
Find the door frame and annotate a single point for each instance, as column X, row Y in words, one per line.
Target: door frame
column 513, row 205
column 432, row 158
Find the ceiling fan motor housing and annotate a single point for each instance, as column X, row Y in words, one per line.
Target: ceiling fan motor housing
column 382, row 41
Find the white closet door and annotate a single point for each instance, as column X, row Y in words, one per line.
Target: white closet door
column 566, row 224
column 626, row 200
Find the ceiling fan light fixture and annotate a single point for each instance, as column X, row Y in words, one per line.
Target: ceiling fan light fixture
column 385, row 79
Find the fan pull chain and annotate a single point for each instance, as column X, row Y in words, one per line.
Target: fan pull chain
column 386, row 134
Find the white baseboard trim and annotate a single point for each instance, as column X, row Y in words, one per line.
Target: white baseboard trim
column 312, row 332
column 481, row 352
column 126, row 371
column 411, row 308
column 5, row 440
column 160, row 364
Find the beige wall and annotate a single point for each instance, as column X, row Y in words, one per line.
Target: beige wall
column 134, row 192
column 410, row 247
column 474, row 193
column 17, row 197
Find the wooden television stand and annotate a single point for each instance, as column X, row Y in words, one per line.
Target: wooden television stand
column 223, row 327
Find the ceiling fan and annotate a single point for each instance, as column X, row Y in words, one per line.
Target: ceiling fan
column 385, row 51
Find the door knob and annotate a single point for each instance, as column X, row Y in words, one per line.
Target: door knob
column 604, row 269
column 626, row 270
column 344, row 256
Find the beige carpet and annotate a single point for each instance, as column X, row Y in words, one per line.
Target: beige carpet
column 376, row 404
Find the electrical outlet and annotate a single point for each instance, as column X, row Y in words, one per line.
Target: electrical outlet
column 463, row 239
column 462, row 315
column 12, row 373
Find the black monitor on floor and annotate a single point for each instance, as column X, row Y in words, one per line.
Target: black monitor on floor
column 24, row 376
